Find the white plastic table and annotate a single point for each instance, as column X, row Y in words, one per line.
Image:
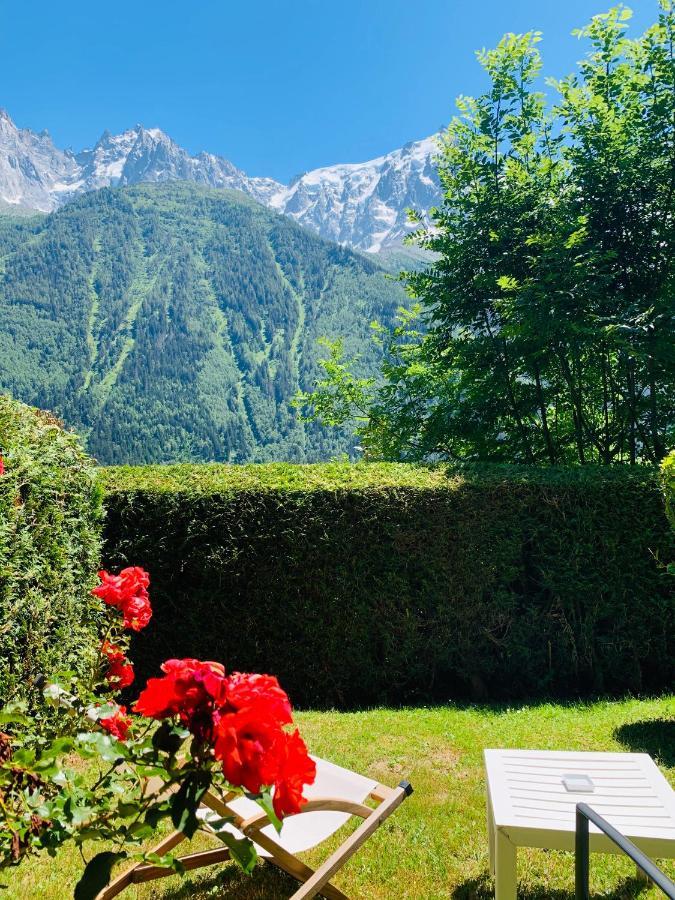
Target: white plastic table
column 528, row 805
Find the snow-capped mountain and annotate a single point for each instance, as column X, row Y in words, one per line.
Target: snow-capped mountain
column 148, row 154
column 31, row 166
column 365, row 204
column 34, row 174
column 361, row 204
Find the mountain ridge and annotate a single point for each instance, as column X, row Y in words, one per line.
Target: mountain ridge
column 363, row 205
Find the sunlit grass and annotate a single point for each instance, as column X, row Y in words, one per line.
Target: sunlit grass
column 436, row 844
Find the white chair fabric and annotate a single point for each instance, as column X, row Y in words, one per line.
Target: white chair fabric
column 306, row 830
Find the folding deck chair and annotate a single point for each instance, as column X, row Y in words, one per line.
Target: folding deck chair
column 336, row 795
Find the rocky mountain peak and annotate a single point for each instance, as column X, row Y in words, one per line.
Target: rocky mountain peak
column 365, row 204
column 360, row 204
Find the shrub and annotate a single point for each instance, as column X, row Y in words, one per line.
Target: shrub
column 668, row 471
column 389, row 583
column 50, row 520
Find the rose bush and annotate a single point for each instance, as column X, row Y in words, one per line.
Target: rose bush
column 193, row 729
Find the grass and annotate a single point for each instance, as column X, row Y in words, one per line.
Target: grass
column 436, row 844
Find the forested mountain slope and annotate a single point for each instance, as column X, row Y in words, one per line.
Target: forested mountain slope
column 175, row 322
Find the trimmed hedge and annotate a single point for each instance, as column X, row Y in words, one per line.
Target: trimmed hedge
column 50, row 542
column 384, row 583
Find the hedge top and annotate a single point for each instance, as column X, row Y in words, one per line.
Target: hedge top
column 216, row 478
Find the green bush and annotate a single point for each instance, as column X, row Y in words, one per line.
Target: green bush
column 668, row 471
column 50, row 522
column 384, row 583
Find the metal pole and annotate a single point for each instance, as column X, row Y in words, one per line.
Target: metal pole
column 581, row 857
column 644, row 863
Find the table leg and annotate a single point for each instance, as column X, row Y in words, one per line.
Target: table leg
column 505, row 867
column 491, row 834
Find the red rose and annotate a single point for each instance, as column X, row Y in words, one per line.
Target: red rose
column 187, row 685
column 296, row 770
column 243, row 716
column 247, row 690
column 2, row 466
column 135, row 578
column 111, row 651
column 250, row 749
column 128, row 593
column 117, row 724
column 114, row 589
column 120, row 672
column 190, row 689
column 110, row 590
column 137, row 612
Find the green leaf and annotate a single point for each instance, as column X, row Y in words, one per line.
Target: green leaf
column 185, row 802
column 24, row 758
column 168, row 861
column 264, row 801
column 96, row 875
column 217, row 824
column 88, row 833
column 81, row 814
column 156, row 813
column 507, row 283
column 103, row 745
column 169, row 737
column 242, row 850
column 14, row 712
column 140, row 831
column 152, row 771
column 59, row 746
column 127, row 810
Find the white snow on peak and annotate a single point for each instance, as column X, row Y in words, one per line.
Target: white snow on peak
column 365, row 204
column 360, row 204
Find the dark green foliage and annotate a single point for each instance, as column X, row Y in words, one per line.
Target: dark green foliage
column 50, row 522
column 385, row 583
column 96, row 875
column 668, row 471
column 172, row 322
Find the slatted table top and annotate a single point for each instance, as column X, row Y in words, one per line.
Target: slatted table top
column 531, row 804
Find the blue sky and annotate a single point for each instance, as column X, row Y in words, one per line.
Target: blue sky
column 277, row 87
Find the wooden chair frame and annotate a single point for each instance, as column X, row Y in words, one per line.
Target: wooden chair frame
column 312, row 882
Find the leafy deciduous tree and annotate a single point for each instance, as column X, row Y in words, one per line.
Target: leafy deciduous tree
column 544, row 328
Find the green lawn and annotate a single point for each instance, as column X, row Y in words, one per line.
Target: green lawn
column 435, row 845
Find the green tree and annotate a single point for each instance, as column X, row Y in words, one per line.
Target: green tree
column 544, row 329
column 619, row 115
